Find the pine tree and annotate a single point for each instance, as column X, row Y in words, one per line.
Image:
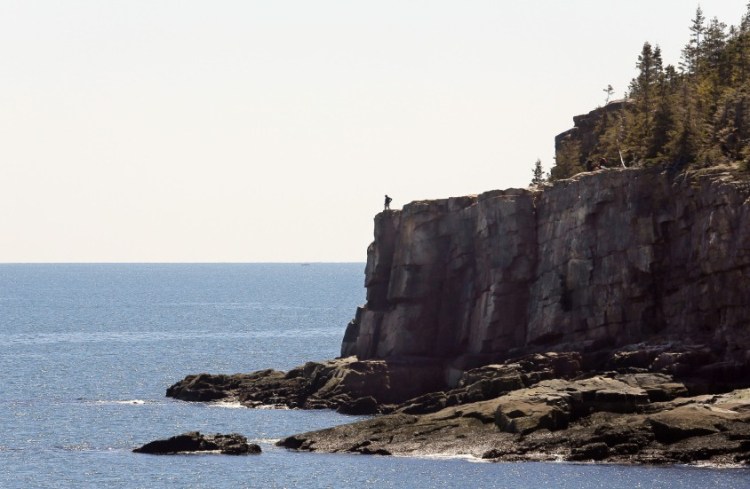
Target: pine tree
column 745, row 22
column 663, row 125
column 649, row 71
column 538, row 174
column 735, row 63
column 644, row 91
column 683, row 146
column 610, row 91
column 568, row 160
column 691, row 52
column 714, row 39
column 714, row 42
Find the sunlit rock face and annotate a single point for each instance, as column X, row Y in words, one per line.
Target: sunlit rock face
column 595, row 262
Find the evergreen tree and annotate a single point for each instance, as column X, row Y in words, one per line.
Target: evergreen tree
column 745, row 22
column 690, row 52
column 610, row 91
column 683, row 145
column 538, row 174
column 568, row 160
column 645, row 90
column 736, row 57
column 649, row 72
column 714, row 42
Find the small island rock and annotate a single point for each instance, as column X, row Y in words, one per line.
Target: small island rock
column 194, row 441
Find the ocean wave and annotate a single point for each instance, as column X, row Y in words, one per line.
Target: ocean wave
column 227, row 405
column 132, row 402
column 239, row 405
column 707, row 465
column 446, row 456
column 265, row 441
column 78, row 447
column 279, row 407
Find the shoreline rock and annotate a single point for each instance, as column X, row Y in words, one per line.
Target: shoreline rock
column 535, row 408
column 346, row 385
column 597, row 419
column 195, row 442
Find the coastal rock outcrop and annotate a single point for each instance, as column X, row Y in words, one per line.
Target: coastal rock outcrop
column 347, row 385
column 195, row 442
column 594, row 263
column 603, row 317
column 599, row 418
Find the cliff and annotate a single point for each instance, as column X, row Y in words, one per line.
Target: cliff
column 603, row 317
column 593, row 263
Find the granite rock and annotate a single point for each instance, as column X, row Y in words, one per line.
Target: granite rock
column 345, row 384
column 591, row 264
column 195, row 442
column 592, row 419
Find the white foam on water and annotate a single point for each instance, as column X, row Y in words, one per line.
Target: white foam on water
column 708, row 465
column 272, row 406
column 132, row 402
column 447, row 456
column 265, row 441
column 227, row 405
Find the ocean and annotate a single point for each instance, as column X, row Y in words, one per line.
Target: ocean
column 87, row 352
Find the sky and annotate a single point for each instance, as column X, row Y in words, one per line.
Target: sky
column 269, row 131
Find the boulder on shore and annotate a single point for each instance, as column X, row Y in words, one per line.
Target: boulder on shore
column 194, row 441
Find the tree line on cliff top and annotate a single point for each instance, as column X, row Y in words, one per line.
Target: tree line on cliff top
column 694, row 115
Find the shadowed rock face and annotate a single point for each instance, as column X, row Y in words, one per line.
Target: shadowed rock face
column 602, row 260
column 444, row 278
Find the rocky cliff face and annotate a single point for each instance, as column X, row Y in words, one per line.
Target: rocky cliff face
column 587, row 128
column 597, row 262
column 604, row 317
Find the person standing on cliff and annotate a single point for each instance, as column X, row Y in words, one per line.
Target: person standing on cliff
column 387, row 202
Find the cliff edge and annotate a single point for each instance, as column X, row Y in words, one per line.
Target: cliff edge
column 596, row 262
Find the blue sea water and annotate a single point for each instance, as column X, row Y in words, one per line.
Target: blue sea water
column 87, row 351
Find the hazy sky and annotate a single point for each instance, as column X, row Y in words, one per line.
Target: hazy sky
column 241, row 131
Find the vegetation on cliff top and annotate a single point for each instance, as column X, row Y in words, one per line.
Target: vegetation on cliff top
column 693, row 115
